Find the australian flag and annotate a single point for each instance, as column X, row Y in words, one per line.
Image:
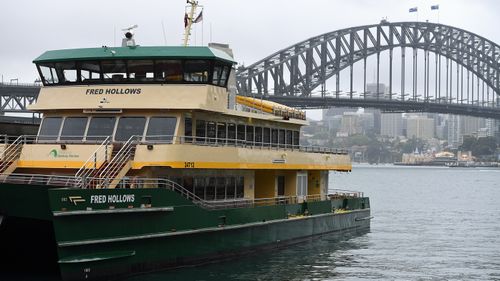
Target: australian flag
column 412, row 10
column 435, row 7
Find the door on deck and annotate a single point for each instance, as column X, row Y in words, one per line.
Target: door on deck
column 280, row 186
column 301, row 186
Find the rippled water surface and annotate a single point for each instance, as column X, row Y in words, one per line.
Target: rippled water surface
column 430, row 224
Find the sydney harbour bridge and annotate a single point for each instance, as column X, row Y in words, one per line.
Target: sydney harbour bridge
column 426, row 67
column 415, row 67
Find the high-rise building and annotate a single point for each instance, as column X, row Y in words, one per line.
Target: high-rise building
column 454, row 136
column 351, row 124
column 336, row 111
column 391, row 124
column 420, row 127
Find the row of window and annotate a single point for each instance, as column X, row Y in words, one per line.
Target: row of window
column 98, row 128
column 221, row 132
column 213, row 188
column 135, row 71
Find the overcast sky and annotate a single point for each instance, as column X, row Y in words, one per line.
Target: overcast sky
column 254, row 29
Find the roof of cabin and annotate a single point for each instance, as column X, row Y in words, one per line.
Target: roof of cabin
column 138, row 52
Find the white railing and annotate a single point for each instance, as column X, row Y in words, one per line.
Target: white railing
column 11, row 153
column 125, row 154
column 345, row 193
column 89, row 168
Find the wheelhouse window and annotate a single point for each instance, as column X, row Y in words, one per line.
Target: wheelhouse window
column 66, row 71
column 100, row 128
column 241, row 133
column 140, row 70
column 168, row 71
column 114, row 71
column 161, row 129
column 48, row 74
column 196, row 71
column 128, row 127
column 90, row 72
column 119, row 71
column 73, row 128
column 49, row 130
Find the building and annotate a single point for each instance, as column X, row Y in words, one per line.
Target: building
column 391, row 124
column 420, row 127
column 351, row 124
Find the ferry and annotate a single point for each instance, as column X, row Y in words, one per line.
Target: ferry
column 145, row 160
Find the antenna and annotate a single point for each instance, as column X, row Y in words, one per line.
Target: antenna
column 189, row 19
column 129, row 41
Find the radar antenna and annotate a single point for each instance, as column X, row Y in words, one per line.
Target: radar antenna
column 129, row 41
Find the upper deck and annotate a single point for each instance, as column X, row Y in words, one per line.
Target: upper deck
column 134, row 77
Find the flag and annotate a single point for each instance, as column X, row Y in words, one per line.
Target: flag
column 199, row 17
column 186, row 18
column 435, row 7
column 414, row 9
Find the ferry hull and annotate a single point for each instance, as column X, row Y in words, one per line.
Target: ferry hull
column 140, row 230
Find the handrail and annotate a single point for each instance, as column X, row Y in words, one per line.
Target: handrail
column 90, row 166
column 125, row 154
column 137, row 182
column 205, row 141
column 11, row 153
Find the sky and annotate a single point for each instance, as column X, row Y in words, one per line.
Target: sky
column 254, row 29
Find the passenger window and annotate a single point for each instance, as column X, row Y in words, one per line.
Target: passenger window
column 231, row 133
column 258, row 135
column 267, row 136
column 49, row 129
column 128, row 127
column 296, row 138
column 100, row 128
column 196, row 71
column 230, row 187
column 240, row 187
column 220, row 191
column 274, row 137
column 169, row 70
column 221, row 132
column 188, row 129
column 250, row 135
column 210, row 189
column 74, row 128
column 211, row 132
column 200, row 130
column 161, row 129
column 199, row 187
column 289, row 138
column 241, row 133
column 282, row 138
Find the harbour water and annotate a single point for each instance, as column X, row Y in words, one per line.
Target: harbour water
column 429, row 224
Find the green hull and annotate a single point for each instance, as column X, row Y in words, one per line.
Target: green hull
column 105, row 233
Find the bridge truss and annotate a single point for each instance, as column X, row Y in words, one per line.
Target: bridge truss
column 459, row 72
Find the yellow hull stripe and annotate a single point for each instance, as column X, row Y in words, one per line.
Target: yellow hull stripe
column 197, row 165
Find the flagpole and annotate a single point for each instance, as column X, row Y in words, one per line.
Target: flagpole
column 202, row 32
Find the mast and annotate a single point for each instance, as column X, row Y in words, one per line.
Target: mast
column 189, row 20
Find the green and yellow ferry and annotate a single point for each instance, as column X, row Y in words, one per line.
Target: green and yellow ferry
column 145, row 161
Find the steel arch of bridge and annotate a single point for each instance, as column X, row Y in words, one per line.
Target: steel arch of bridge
column 296, row 71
